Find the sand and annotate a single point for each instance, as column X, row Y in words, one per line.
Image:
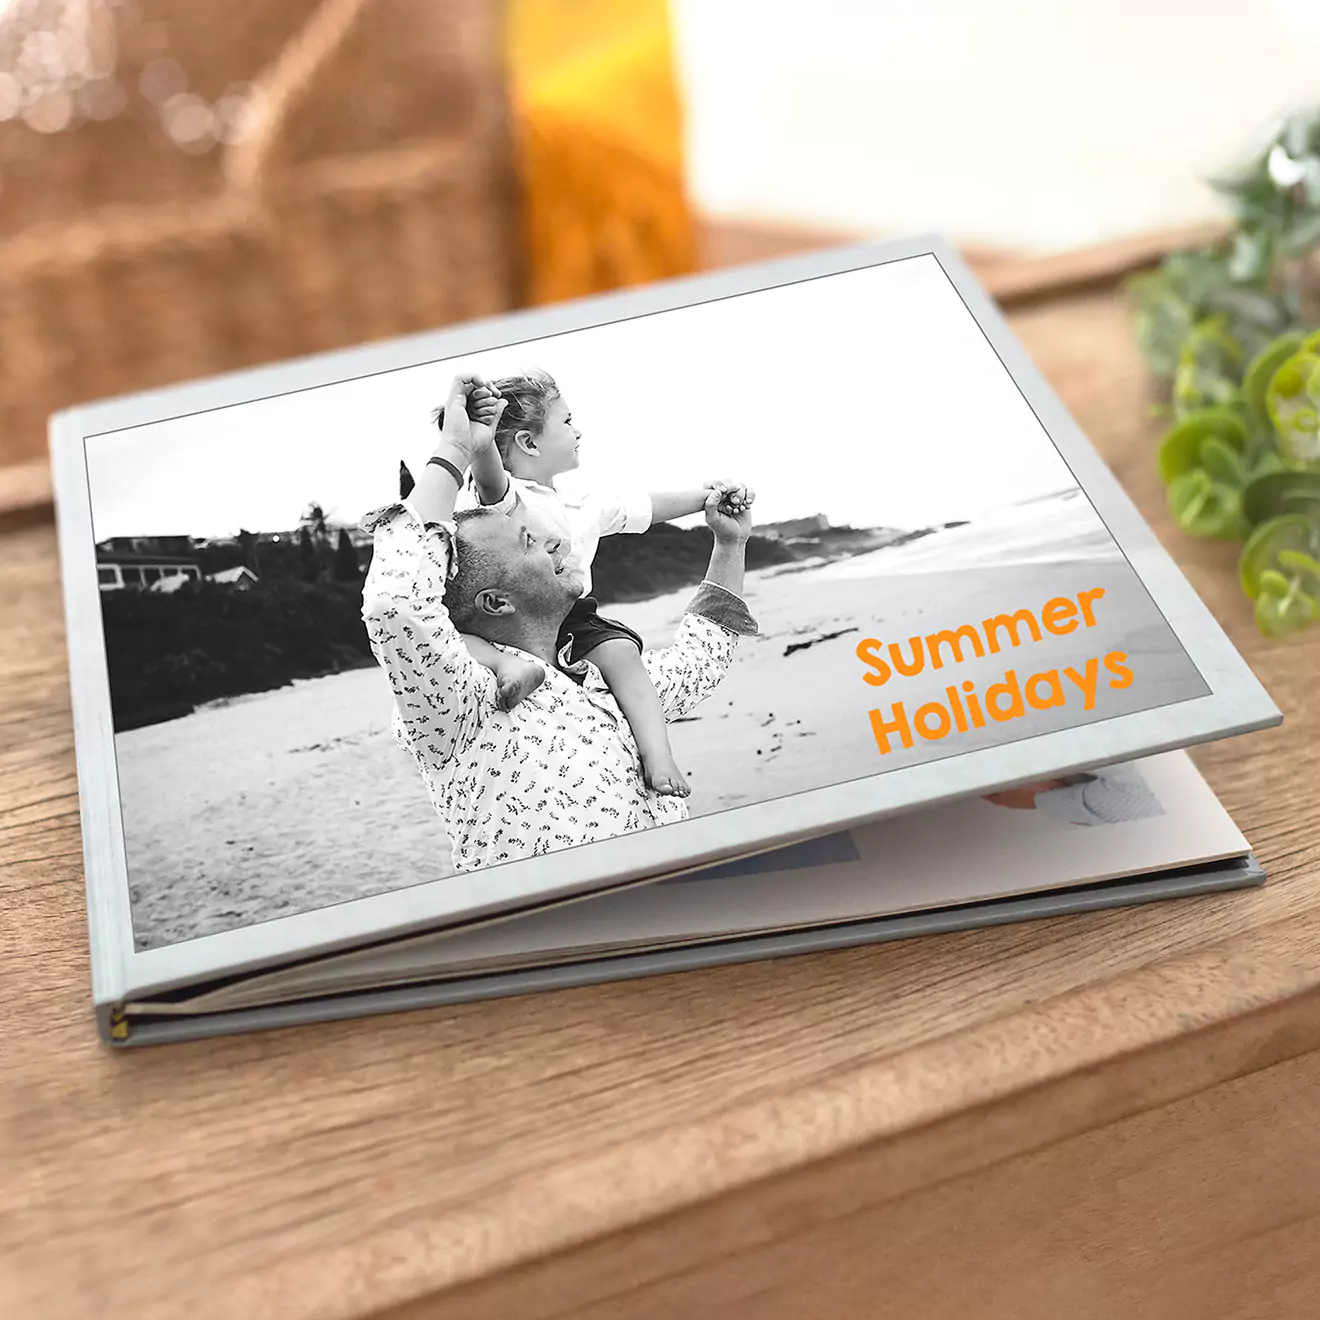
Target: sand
column 273, row 804
column 780, row 722
column 299, row 798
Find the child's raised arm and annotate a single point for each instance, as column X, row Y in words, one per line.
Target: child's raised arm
column 678, row 503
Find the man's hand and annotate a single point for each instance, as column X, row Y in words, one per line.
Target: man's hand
column 472, row 412
column 485, row 406
column 735, row 496
column 730, row 523
column 467, row 432
column 456, row 430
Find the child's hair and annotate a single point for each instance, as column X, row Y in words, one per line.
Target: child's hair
column 528, row 397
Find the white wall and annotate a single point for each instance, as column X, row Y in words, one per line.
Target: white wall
column 1032, row 123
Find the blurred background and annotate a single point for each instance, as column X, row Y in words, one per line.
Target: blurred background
column 1022, row 124
column 188, row 186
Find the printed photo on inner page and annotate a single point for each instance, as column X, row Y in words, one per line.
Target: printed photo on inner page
column 723, row 554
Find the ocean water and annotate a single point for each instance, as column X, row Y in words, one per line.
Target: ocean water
column 1054, row 529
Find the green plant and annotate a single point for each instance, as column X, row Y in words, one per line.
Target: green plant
column 1227, row 328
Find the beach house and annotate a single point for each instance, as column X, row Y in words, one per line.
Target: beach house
column 114, row 571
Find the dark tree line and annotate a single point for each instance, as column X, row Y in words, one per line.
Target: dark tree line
column 169, row 652
column 665, row 558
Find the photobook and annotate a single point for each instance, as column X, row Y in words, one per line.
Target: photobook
column 435, row 639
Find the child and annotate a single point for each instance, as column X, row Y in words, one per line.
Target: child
column 535, row 442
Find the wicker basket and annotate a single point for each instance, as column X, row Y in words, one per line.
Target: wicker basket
column 326, row 227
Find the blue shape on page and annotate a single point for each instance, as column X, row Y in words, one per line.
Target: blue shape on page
column 827, row 850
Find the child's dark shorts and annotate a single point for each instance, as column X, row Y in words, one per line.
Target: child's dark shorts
column 584, row 630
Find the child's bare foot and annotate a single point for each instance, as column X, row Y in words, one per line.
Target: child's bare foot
column 516, row 680
column 663, row 775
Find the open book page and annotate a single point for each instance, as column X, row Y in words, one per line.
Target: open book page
column 1151, row 815
column 1148, row 816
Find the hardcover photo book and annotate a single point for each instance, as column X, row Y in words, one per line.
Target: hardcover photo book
column 738, row 616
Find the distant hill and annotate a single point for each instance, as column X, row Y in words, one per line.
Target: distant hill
column 665, row 558
column 794, row 527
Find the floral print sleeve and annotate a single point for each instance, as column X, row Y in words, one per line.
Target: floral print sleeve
column 688, row 671
column 442, row 696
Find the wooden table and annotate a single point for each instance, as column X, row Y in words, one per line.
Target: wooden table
column 1095, row 1116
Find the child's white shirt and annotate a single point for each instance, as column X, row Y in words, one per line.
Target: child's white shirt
column 579, row 516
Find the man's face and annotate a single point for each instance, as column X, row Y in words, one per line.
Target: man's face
column 532, row 560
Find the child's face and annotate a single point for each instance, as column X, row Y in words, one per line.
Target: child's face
column 558, row 441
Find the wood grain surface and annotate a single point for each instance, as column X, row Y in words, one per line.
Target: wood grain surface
column 1102, row 1115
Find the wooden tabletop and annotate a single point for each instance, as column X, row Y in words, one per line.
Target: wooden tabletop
column 1087, row 1116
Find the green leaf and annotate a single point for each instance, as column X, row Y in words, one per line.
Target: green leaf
column 1266, row 464
column 1163, row 316
column 1256, row 382
column 1262, row 552
column 1287, row 590
column 1251, row 258
column 1273, row 583
column 1302, row 566
column 1280, row 493
column 1180, row 449
column 1277, row 616
column 1293, row 402
column 1311, row 180
column 1188, row 288
column 1209, row 368
column 1205, row 507
column 1222, row 462
column 1254, row 316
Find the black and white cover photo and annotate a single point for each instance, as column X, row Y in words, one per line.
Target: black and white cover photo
column 647, row 571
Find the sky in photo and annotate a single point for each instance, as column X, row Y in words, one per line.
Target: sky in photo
column 871, row 397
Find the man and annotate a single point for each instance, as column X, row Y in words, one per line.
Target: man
column 562, row 767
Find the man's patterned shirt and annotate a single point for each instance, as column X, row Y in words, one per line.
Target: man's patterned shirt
column 562, row 767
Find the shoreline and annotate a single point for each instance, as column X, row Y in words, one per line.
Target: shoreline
column 797, row 695
column 1056, row 529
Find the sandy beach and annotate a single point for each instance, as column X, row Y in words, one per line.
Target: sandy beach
column 273, row 804
column 794, row 711
column 296, row 799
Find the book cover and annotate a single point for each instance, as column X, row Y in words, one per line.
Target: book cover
column 859, row 555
